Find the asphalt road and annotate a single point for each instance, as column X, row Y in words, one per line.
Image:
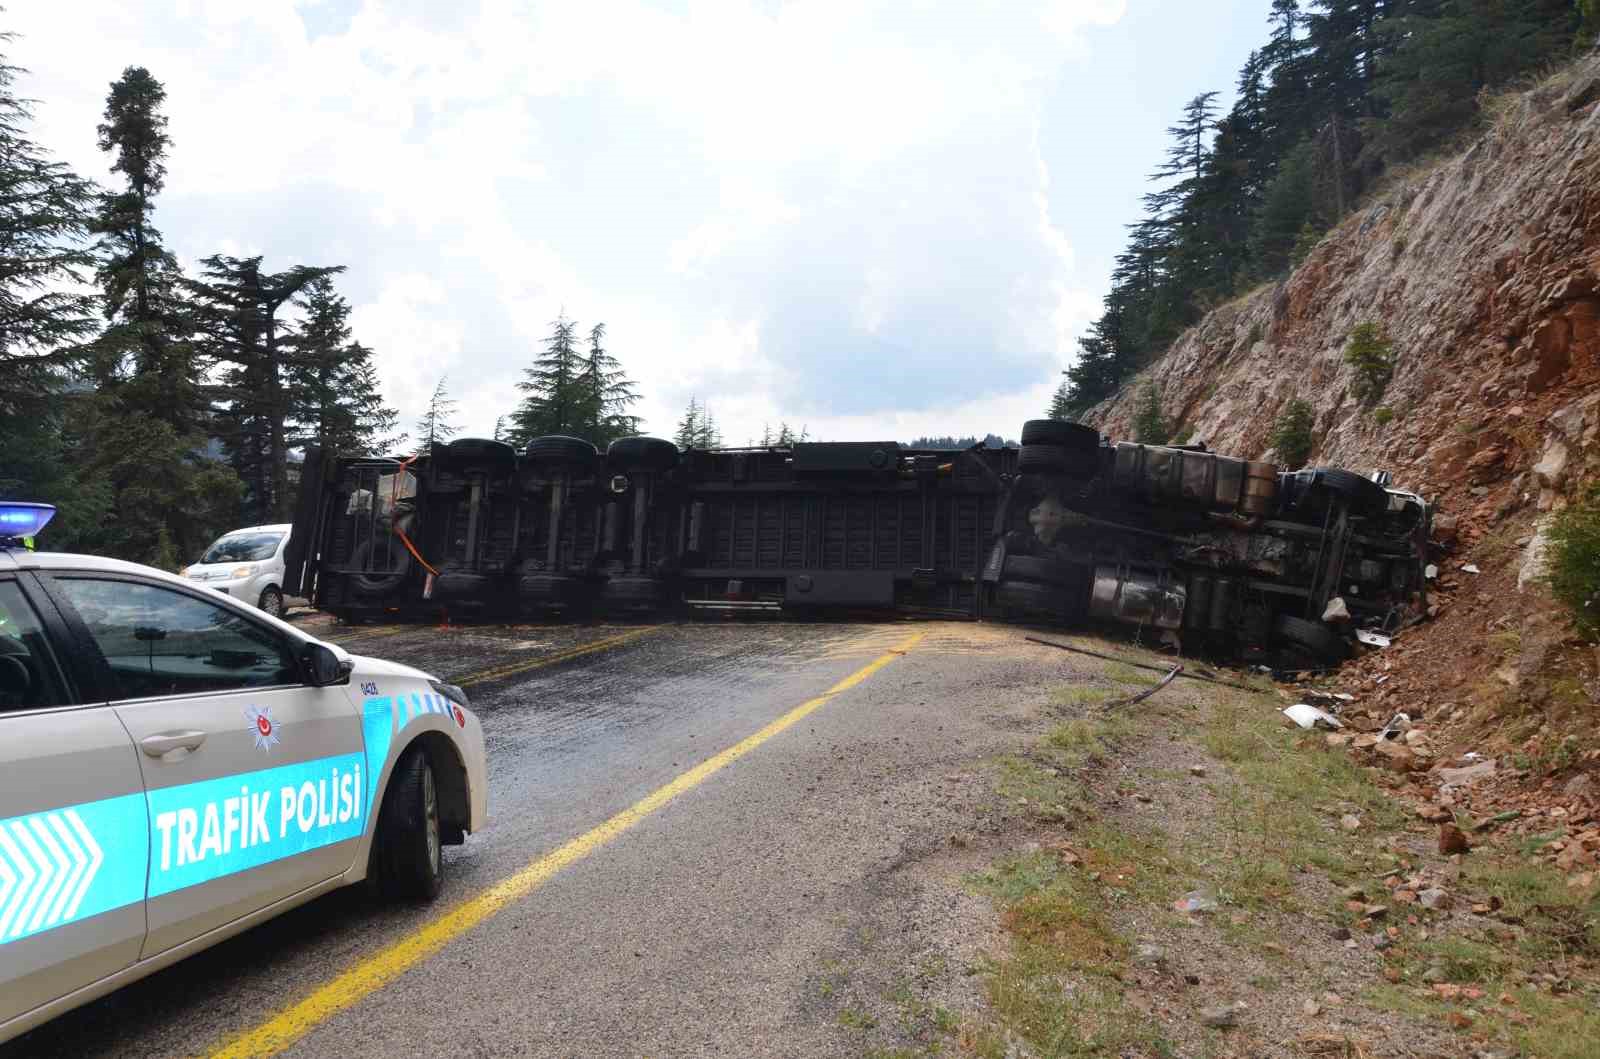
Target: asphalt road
column 701, row 929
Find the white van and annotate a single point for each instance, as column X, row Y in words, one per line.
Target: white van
column 246, row 564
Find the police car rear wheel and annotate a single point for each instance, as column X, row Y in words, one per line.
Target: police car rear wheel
column 409, row 858
column 272, row 602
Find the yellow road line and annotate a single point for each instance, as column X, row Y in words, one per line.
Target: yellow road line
column 513, row 668
column 378, row 970
column 371, row 634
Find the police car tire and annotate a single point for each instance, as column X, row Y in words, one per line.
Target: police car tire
column 271, row 601
column 1321, row 641
column 410, row 866
column 1073, row 436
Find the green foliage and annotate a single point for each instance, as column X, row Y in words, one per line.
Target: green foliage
column 1292, row 433
column 1370, row 353
column 697, row 429
column 333, row 381
column 237, row 308
column 1340, row 91
column 435, row 425
column 579, row 394
column 1149, row 427
column 1574, row 561
column 1060, row 403
column 1383, row 416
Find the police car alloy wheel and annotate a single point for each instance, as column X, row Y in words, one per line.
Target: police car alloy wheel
column 410, row 864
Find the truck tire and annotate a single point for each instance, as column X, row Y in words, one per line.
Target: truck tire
column 495, row 455
column 380, row 582
column 1039, row 571
column 1315, row 637
column 409, row 862
column 1057, row 459
column 1364, row 496
column 556, row 451
column 1030, row 597
column 633, row 591
column 1072, row 436
column 546, row 590
column 642, row 454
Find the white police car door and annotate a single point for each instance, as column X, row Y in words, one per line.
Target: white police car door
column 73, row 847
column 253, row 777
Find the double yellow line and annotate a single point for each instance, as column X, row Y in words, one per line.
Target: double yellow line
column 376, row 971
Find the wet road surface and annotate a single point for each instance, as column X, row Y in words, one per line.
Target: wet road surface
column 696, row 931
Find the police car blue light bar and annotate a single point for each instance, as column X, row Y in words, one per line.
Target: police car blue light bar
column 20, row 519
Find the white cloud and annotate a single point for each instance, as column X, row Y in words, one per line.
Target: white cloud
column 834, row 210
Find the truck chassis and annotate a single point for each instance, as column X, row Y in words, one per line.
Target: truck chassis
column 1216, row 555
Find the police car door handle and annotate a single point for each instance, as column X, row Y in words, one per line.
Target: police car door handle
column 172, row 746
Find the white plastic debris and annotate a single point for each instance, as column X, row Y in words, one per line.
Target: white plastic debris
column 1398, row 724
column 1308, row 716
column 1336, row 610
column 1373, row 639
column 1472, row 568
column 1430, row 571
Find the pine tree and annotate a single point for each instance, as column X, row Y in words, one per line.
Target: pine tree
column 44, row 314
column 1060, row 403
column 608, row 393
column 1149, row 426
column 337, row 403
column 556, row 392
column 149, row 331
column 698, row 429
column 1292, row 437
column 436, row 425
column 238, row 306
column 688, row 431
column 141, row 433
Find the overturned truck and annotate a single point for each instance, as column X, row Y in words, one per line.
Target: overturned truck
column 1221, row 556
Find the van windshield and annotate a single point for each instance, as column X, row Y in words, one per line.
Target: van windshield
column 242, row 548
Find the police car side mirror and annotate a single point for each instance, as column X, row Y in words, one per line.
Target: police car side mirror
column 323, row 667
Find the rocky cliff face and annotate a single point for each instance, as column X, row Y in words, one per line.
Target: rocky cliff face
column 1484, row 272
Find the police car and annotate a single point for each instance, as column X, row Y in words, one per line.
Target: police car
column 177, row 766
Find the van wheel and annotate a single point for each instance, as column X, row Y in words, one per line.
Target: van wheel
column 410, row 865
column 271, row 601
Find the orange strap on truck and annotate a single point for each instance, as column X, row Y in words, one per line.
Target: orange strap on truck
column 394, row 498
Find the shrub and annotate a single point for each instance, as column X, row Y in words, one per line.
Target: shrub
column 1255, row 332
column 1182, row 436
column 1291, row 434
column 1372, row 356
column 1149, row 428
column 1574, row 568
column 1383, row 416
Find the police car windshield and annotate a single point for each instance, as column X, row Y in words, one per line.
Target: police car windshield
column 242, row 548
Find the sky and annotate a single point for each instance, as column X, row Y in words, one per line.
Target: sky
column 877, row 219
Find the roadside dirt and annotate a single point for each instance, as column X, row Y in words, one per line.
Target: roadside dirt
column 1190, row 876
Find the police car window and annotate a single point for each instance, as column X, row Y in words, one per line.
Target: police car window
column 242, row 548
column 162, row 642
column 29, row 678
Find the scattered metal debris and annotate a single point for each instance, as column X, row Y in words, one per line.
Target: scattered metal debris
column 1373, row 639
column 1177, row 671
column 1138, row 665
